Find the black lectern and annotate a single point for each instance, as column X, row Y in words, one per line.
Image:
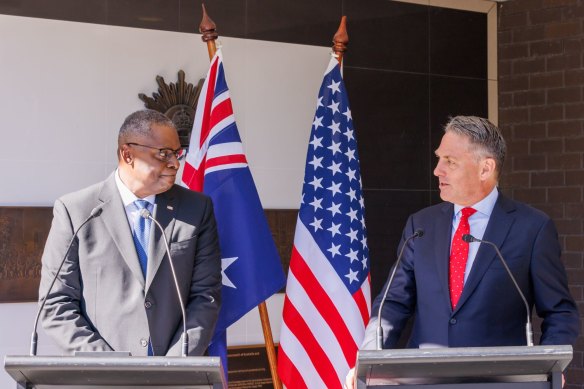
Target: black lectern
column 92, row 372
column 521, row 367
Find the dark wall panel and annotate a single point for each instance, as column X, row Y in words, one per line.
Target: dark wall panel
column 387, row 35
column 300, row 21
column 392, row 127
column 229, row 15
column 90, row 11
column 458, row 43
column 385, row 214
column 151, row 14
column 451, row 96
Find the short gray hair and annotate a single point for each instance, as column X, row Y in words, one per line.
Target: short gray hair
column 140, row 123
column 482, row 134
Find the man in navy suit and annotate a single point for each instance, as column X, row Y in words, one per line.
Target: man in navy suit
column 463, row 296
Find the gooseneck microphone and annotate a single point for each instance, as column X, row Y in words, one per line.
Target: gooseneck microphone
column 417, row 234
column 185, row 341
column 95, row 212
column 528, row 328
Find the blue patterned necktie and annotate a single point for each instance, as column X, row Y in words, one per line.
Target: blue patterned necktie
column 141, row 234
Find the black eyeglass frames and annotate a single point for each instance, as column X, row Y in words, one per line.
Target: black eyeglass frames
column 164, row 154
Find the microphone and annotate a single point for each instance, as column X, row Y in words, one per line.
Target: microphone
column 417, row 234
column 185, row 341
column 95, row 212
column 528, row 328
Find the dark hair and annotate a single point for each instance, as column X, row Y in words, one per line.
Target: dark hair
column 140, row 123
column 483, row 134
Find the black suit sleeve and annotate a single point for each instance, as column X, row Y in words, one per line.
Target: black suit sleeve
column 204, row 299
column 553, row 301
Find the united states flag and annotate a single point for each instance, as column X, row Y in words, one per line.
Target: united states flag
column 328, row 297
column 216, row 165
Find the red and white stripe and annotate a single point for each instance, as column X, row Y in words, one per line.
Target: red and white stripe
column 225, row 156
column 323, row 324
column 213, row 115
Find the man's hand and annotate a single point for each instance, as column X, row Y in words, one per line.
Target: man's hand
column 350, row 379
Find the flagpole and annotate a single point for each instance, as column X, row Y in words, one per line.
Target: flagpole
column 208, row 29
column 340, row 40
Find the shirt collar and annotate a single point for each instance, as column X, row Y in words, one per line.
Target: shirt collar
column 126, row 194
column 485, row 206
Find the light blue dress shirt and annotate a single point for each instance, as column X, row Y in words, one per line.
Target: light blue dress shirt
column 128, row 198
column 478, row 224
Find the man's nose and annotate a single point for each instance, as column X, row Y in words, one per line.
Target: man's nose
column 438, row 171
column 173, row 162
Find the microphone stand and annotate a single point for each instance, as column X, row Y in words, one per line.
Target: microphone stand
column 528, row 327
column 379, row 330
column 185, row 341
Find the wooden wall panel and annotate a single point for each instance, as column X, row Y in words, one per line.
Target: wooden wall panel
column 283, row 224
column 24, row 230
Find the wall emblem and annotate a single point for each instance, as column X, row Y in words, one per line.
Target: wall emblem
column 178, row 102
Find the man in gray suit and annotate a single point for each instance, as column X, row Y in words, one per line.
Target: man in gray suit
column 115, row 290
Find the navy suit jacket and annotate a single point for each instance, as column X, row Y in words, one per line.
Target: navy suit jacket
column 490, row 311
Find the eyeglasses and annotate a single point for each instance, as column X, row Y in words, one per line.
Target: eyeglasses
column 164, row 154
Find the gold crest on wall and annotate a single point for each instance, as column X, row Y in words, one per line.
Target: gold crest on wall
column 178, row 101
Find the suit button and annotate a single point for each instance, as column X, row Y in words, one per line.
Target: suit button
column 148, row 304
column 453, row 321
column 143, row 342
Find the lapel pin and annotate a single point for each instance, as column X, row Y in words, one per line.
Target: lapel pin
column 169, row 207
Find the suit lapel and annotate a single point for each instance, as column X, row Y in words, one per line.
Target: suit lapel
column 497, row 230
column 164, row 212
column 442, row 228
column 116, row 222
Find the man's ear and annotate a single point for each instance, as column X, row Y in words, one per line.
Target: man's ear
column 126, row 154
column 488, row 168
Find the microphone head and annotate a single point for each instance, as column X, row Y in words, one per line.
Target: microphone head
column 419, row 233
column 95, row 212
column 468, row 238
column 145, row 213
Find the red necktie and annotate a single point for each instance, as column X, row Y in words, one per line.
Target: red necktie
column 458, row 257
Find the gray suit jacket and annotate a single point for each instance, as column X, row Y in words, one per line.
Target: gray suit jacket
column 101, row 300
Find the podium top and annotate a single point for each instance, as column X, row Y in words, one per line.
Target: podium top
column 123, row 372
column 467, row 364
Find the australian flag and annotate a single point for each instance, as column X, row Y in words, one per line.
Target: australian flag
column 216, row 165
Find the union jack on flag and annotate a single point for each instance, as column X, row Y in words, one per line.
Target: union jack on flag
column 328, row 297
column 216, row 165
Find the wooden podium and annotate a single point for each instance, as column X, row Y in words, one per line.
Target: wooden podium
column 517, row 367
column 125, row 372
